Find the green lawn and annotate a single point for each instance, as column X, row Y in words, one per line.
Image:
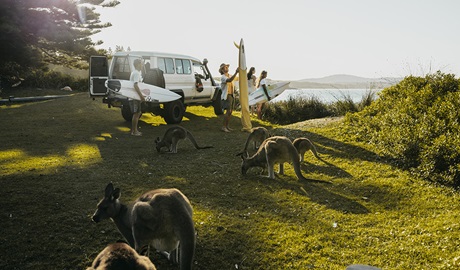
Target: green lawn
column 57, row 156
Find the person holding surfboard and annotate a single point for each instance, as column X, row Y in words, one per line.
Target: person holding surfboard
column 135, row 105
column 251, row 80
column 262, row 83
column 226, row 84
column 252, row 84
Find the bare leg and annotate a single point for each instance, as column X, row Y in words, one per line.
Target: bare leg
column 227, row 115
column 134, row 123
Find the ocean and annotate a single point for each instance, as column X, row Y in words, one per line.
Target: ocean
column 324, row 95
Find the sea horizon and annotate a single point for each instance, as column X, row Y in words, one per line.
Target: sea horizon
column 327, row 95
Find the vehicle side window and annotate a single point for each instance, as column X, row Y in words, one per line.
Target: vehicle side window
column 121, row 69
column 179, row 67
column 183, row 66
column 187, row 66
column 122, row 64
column 166, row 65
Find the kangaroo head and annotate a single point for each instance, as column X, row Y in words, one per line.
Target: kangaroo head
column 159, row 144
column 244, row 164
column 109, row 205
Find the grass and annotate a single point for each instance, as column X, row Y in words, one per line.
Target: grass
column 57, row 156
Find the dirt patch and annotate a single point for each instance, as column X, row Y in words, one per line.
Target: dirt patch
column 314, row 123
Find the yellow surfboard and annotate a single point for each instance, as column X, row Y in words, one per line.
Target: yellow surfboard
column 243, row 83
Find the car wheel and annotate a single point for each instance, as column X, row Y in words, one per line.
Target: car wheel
column 126, row 111
column 174, row 112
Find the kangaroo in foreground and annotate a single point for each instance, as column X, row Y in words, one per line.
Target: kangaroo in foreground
column 257, row 135
column 120, row 256
column 277, row 149
column 161, row 218
column 303, row 145
column 172, row 137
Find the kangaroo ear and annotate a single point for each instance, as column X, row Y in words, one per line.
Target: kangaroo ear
column 157, row 140
column 108, row 190
column 116, row 194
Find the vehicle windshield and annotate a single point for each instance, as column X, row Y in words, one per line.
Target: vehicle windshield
column 199, row 70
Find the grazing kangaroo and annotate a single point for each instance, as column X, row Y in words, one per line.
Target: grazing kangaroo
column 172, row 137
column 277, row 149
column 120, row 256
column 303, row 145
column 257, row 135
column 161, row 218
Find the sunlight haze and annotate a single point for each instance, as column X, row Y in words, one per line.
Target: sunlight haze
column 296, row 39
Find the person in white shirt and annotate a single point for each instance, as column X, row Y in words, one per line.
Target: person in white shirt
column 262, row 83
column 252, row 84
column 251, row 80
column 135, row 105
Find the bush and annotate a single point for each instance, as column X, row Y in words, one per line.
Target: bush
column 42, row 78
column 300, row 109
column 416, row 123
column 295, row 110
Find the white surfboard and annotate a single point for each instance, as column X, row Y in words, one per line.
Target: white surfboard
column 274, row 90
column 150, row 92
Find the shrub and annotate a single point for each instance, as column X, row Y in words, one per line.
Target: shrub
column 295, row 110
column 300, row 109
column 416, row 123
column 43, row 78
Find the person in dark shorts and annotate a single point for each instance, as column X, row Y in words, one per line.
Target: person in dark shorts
column 227, row 94
column 135, row 105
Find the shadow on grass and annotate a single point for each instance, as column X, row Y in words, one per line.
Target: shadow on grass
column 56, row 191
column 316, row 192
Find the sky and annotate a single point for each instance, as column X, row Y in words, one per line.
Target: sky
column 296, row 39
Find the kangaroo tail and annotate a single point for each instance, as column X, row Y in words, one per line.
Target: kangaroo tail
column 313, row 150
column 298, row 172
column 192, row 139
column 296, row 165
column 187, row 243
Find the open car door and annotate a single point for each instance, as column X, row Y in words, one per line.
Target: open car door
column 98, row 74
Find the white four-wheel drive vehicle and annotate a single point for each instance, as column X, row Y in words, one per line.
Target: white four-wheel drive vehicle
column 184, row 75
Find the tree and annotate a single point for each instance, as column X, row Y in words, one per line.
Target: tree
column 34, row 32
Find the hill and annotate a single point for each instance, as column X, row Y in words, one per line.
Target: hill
column 346, row 81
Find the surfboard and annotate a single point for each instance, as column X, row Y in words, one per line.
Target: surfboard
column 274, row 90
column 150, row 92
column 243, row 83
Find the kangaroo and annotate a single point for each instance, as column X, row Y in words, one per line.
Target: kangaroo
column 120, row 256
column 257, row 135
column 303, row 145
column 172, row 137
column 161, row 218
column 277, row 149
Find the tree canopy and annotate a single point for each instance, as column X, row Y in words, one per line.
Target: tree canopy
column 33, row 32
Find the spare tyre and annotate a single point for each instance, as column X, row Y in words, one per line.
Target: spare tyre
column 155, row 77
column 217, row 103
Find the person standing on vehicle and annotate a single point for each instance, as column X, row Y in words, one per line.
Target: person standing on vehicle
column 262, row 83
column 226, row 84
column 135, row 105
